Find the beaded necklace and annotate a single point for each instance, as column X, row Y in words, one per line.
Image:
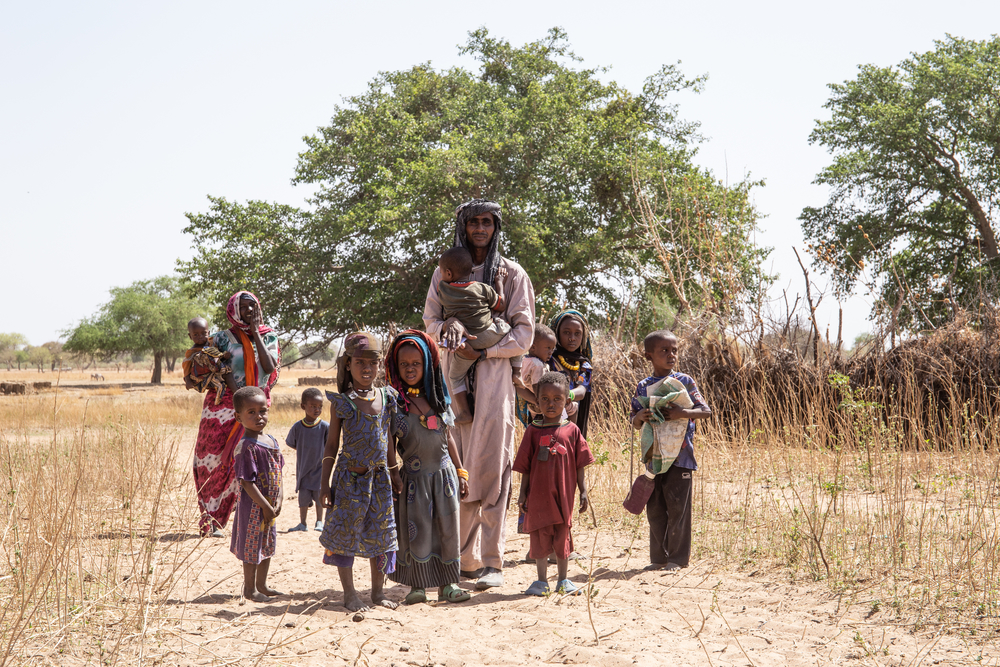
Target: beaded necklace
column 568, row 366
column 354, row 394
column 308, row 425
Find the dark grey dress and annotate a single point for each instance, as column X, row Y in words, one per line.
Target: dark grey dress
column 427, row 511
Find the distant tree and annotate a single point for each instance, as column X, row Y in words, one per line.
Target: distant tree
column 555, row 145
column 55, row 350
column 146, row 317
column 10, row 344
column 39, row 357
column 915, row 181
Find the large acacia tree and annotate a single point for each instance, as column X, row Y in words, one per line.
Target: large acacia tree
column 557, row 147
column 914, row 179
column 148, row 316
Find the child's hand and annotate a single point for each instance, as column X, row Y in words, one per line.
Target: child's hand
column 584, row 501
column 642, row 417
column 463, row 489
column 267, row 513
column 522, row 501
column 498, row 281
column 277, row 507
column 397, row 481
column 675, row 413
column 324, row 495
column 226, row 355
column 572, row 408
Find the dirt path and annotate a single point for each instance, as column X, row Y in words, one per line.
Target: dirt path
column 704, row 615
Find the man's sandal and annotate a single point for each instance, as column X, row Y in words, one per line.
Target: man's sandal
column 415, row 596
column 452, row 593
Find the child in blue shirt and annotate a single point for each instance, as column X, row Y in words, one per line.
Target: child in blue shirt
column 308, row 438
column 669, row 507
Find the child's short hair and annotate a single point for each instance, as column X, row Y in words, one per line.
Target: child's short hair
column 197, row 322
column 543, row 330
column 244, row 394
column 312, row 394
column 659, row 334
column 553, row 378
column 458, row 260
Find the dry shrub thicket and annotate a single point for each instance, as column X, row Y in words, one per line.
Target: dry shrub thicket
column 876, row 473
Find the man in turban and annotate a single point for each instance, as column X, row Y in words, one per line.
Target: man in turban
column 487, row 443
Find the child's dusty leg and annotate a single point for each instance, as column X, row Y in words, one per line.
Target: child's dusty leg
column 460, row 401
column 378, row 596
column 562, row 566
column 304, row 514
column 319, row 513
column 262, row 586
column 351, row 599
column 542, row 568
column 250, row 583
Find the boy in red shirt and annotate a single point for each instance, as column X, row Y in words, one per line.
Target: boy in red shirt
column 551, row 460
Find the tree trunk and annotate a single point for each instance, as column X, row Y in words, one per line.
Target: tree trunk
column 157, row 368
column 171, row 360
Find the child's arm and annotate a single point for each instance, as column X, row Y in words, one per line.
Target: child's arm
column 230, row 381
column 189, row 381
column 390, row 458
column 463, row 486
column 330, row 456
column 698, row 412
column 527, row 394
column 581, row 483
column 267, row 512
column 498, row 286
column 522, row 497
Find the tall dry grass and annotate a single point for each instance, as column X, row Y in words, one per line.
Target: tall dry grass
column 94, row 530
column 887, row 492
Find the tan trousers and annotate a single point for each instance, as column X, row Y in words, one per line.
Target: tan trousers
column 484, row 530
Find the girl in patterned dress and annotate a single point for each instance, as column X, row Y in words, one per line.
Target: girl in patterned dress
column 427, row 515
column 365, row 474
column 258, row 464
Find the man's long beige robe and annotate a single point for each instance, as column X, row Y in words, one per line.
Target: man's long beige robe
column 487, row 444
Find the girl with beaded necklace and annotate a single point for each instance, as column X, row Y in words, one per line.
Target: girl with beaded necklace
column 427, row 513
column 573, row 357
column 365, row 473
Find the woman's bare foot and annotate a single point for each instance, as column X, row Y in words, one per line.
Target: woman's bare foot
column 267, row 590
column 354, row 603
column 380, row 600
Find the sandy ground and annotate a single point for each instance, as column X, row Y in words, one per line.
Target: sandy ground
column 707, row 614
column 704, row 615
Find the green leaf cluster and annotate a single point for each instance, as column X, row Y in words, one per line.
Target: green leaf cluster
column 914, row 178
column 557, row 147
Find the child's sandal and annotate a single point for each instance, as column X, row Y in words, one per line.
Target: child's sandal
column 452, row 593
column 415, row 596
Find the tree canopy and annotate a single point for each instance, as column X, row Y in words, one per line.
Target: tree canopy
column 914, row 178
column 148, row 316
column 559, row 149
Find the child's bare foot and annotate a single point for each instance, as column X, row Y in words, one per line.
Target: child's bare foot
column 256, row 596
column 380, row 600
column 267, row 590
column 354, row 603
column 463, row 417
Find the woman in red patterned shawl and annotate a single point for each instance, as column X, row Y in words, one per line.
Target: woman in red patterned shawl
column 255, row 361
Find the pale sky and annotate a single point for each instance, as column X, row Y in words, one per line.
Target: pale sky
column 116, row 118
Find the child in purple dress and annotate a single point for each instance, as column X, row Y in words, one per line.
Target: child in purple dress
column 258, row 464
